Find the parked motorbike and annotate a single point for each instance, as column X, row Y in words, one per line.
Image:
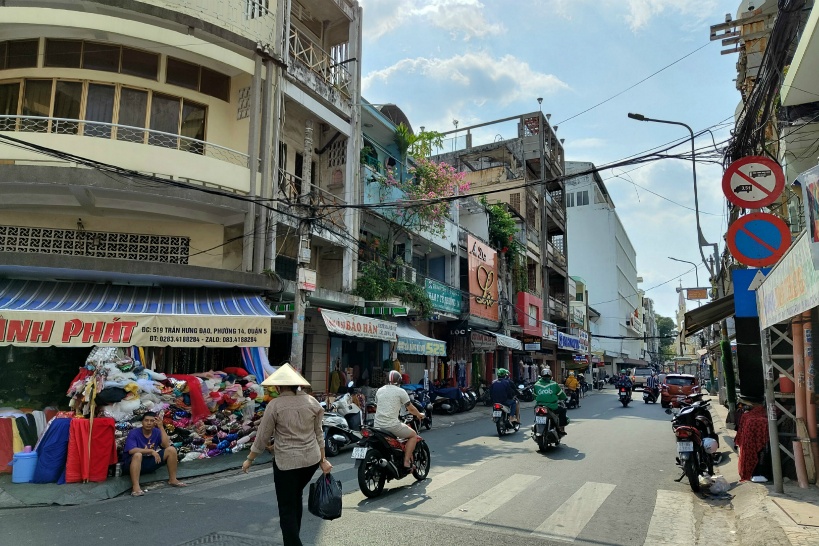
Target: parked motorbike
column 341, row 424
column 574, row 399
column 447, row 400
column 501, row 415
column 420, row 399
column 379, row 458
column 649, row 396
column 484, row 395
column 625, row 395
column 697, row 442
column 545, row 430
column 470, row 399
column 527, row 393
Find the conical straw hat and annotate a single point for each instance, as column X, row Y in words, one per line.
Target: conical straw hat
column 285, row 376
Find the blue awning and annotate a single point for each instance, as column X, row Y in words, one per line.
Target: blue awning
column 78, row 314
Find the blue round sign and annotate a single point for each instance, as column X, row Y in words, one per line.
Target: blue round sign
column 758, row 239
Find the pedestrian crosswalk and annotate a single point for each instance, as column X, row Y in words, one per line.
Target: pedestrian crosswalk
column 469, row 496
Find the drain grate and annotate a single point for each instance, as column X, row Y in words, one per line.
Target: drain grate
column 222, row 538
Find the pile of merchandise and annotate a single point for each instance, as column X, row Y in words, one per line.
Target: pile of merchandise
column 205, row 414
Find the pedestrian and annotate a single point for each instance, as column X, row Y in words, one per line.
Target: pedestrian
column 293, row 420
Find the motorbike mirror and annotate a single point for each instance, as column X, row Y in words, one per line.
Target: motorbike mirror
column 350, row 385
column 668, row 411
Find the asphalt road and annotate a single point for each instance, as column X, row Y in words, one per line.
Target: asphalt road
column 610, row 483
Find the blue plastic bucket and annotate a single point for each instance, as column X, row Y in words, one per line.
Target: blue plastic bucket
column 23, row 466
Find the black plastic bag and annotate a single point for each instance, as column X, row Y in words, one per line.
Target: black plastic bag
column 324, row 500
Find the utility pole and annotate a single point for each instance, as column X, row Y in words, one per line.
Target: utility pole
column 304, row 253
column 252, row 165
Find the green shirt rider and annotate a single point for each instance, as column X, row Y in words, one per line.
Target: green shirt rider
column 549, row 394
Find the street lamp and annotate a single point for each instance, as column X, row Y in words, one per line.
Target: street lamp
column 701, row 238
column 696, row 273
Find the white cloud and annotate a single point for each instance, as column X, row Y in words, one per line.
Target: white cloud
column 585, row 143
column 461, row 18
column 637, row 13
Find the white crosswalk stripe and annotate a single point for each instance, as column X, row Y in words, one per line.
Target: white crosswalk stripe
column 672, row 523
column 491, row 499
column 571, row 517
column 222, row 482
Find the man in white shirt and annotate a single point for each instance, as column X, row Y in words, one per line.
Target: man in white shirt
column 390, row 399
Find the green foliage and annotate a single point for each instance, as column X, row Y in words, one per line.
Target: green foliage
column 502, row 231
column 377, row 282
column 403, row 138
column 666, row 327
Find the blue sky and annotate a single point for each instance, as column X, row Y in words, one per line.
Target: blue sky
column 480, row 60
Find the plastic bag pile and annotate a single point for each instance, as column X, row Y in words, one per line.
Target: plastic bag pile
column 205, row 415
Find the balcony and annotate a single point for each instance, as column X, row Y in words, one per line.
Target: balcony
column 291, row 190
column 557, row 309
column 330, row 69
column 253, row 19
column 165, row 154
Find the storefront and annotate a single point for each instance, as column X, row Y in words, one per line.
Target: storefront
column 567, row 347
column 548, row 345
column 444, row 325
column 417, row 352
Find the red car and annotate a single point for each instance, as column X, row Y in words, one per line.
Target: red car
column 676, row 385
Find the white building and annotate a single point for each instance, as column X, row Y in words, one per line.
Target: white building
column 603, row 255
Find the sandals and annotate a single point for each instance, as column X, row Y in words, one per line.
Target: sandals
column 137, row 493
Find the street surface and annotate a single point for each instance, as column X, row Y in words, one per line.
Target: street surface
column 611, row 483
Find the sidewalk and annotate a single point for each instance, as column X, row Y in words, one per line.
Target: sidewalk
column 764, row 517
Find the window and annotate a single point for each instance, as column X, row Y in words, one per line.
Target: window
column 139, row 63
column 198, row 78
column 63, row 53
column 133, row 110
column 9, row 100
column 165, row 118
column 532, row 319
column 67, row 99
column 569, row 200
column 582, row 198
column 100, row 108
column 36, row 102
column 101, row 57
column 193, row 126
column 514, row 201
column 19, row 54
column 257, row 8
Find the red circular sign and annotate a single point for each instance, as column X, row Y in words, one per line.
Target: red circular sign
column 753, row 182
column 758, row 239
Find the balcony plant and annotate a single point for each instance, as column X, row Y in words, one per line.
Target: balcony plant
column 502, row 231
column 378, row 282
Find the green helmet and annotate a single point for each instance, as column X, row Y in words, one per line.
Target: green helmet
column 503, row 372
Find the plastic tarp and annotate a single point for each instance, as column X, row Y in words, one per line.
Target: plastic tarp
column 506, row 341
column 413, row 342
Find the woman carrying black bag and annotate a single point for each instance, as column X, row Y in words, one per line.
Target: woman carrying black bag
column 293, row 420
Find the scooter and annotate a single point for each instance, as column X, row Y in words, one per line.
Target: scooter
column 446, row 400
column 420, row 399
column 342, row 425
column 526, row 392
column 545, row 430
column 697, row 441
column 501, row 415
column 625, row 395
column 379, row 458
column 649, row 395
column 574, row 399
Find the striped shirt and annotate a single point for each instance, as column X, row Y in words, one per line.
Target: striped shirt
column 652, row 382
column 293, row 420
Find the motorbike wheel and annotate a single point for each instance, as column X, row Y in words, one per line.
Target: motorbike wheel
column 422, row 462
column 516, row 426
column 330, row 447
column 428, row 423
column 501, row 428
column 624, row 402
column 692, row 473
column 371, row 477
column 542, row 444
column 472, row 401
column 454, row 407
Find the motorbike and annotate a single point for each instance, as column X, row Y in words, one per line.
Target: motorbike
column 484, row 396
column 420, row 399
column 501, row 415
column 574, row 399
column 342, row 425
column 649, row 396
column 447, row 399
column 470, row 399
column 624, row 395
column 527, row 394
column 545, row 430
column 379, row 458
column 697, row 441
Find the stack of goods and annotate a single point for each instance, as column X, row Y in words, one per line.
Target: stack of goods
column 205, row 414
column 19, row 429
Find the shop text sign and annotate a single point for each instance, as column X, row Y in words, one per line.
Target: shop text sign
column 356, row 326
column 411, row 346
column 483, row 342
column 34, row 329
column 444, row 298
column 483, row 279
column 549, row 331
column 565, row 341
column 792, row 286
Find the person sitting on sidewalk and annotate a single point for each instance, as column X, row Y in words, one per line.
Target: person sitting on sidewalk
column 146, row 449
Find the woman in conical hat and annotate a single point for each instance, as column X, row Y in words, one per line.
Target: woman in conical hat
column 293, row 420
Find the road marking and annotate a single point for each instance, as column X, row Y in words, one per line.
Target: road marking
column 491, row 499
column 571, row 517
column 227, row 480
column 445, row 478
column 672, row 523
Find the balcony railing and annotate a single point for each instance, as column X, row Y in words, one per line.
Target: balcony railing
column 290, row 189
column 123, row 133
column 328, row 66
column 557, row 308
column 254, row 19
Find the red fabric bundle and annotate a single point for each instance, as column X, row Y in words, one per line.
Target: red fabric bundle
column 6, row 445
column 79, row 466
column 199, row 410
column 238, row 372
column 752, row 436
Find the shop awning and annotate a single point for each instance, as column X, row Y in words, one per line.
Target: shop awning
column 708, row 314
column 413, row 342
column 505, row 341
column 357, row 326
column 76, row 314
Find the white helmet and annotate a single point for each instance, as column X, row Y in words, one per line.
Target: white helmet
column 711, row 446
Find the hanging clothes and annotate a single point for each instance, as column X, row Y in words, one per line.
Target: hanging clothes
column 6, row 443
column 84, row 466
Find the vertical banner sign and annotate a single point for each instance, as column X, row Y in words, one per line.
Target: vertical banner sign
column 483, row 279
column 810, row 187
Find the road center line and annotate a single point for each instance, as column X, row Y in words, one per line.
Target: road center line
column 571, row 517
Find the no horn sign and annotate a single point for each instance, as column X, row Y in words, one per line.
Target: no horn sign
column 753, row 182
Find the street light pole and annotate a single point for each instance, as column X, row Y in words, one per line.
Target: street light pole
column 696, row 273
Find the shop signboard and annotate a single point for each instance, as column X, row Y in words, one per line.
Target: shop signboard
column 357, row 326
column 570, row 343
column 584, row 341
column 549, row 331
column 65, row 329
column 483, row 279
column 483, row 342
column 531, row 346
column 413, row 346
column 444, row 297
column 792, row 286
column 810, row 187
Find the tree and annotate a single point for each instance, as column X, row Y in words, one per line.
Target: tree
column 666, row 327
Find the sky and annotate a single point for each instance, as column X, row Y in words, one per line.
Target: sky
column 480, row 60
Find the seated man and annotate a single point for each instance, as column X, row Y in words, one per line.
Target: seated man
column 146, row 449
column 391, row 398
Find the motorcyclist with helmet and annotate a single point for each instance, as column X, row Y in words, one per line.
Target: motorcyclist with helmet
column 573, row 386
column 550, row 394
column 503, row 391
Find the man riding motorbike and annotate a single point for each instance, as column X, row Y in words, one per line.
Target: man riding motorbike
column 391, row 398
column 653, row 383
column 549, row 394
column 624, row 381
column 572, row 385
column 503, row 391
